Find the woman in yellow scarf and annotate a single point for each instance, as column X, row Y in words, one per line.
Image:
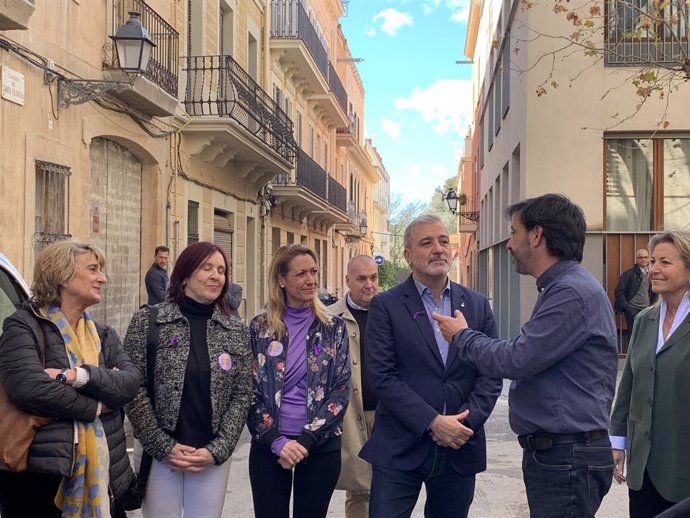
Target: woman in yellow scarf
column 78, row 462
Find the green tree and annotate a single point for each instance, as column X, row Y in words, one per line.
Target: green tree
column 402, row 214
column 387, row 275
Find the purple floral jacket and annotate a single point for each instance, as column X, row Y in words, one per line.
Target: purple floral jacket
column 328, row 382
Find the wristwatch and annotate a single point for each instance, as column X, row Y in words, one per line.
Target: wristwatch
column 62, row 377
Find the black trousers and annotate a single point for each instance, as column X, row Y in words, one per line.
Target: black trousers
column 27, row 494
column 647, row 502
column 313, row 481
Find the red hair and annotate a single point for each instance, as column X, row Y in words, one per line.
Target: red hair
column 187, row 263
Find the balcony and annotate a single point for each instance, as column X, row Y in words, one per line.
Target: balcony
column 233, row 118
column 347, row 136
column 15, row 14
column 468, row 214
column 297, row 47
column 647, row 33
column 311, row 193
column 156, row 92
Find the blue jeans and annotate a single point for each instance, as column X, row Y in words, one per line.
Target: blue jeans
column 394, row 492
column 568, row 480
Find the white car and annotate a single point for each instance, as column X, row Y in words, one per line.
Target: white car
column 13, row 289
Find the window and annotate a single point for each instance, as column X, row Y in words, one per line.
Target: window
column 644, row 31
column 490, row 104
column 51, row 203
column 497, row 100
column 642, row 172
column 310, row 141
column 325, row 156
column 290, row 238
column 278, row 96
column 505, row 73
column 192, row 222
column 481, row 142
column 298, row 129
column 226, row 30
column 275, row 238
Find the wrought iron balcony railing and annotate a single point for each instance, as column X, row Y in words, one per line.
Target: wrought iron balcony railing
column 217, row 86
column 336, row 86
column 315, row 179
column 290, row 20
column 337, row 194
column 647, row 32
column 162, row 68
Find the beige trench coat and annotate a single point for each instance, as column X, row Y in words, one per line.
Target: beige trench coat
column 355, row 473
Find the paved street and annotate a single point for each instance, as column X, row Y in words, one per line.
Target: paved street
column 499, row 493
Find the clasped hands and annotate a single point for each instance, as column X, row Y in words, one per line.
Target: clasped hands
column 448, row 430
column 292, row 454
column 188, row 458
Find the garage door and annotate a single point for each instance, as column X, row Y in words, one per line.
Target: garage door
column 116, row 227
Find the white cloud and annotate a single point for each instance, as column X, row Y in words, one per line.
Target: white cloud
column 370, row 31
column 391, row 20
column 390, row 128
column 447, row 104
column 433, row 170
column 459, row 8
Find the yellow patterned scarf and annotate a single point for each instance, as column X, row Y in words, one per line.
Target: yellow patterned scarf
column 85, row 493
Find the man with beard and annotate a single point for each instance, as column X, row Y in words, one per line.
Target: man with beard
column 563, row 362
column 431, row 405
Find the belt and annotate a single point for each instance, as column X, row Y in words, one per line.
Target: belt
column 544, row 441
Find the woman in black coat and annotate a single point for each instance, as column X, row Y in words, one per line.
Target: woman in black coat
column 78, row 461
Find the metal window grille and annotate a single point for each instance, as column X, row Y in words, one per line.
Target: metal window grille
column 192, row 222
column 51, row 203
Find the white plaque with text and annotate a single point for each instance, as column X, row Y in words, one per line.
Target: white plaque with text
column 12, row 86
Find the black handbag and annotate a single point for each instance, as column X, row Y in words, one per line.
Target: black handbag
column 132, row 499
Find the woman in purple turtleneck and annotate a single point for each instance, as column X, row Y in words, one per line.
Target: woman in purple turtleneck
column 301, row 390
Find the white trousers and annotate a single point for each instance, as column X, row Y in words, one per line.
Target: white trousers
column 173, row 494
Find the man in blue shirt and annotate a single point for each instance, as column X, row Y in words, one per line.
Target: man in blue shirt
column 563, row 362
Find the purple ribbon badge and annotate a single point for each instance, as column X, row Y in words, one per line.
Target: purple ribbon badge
column 225, row 361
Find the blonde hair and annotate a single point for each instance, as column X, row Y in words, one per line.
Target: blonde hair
column 679, row 239
column 276, row 307
column 55, row 265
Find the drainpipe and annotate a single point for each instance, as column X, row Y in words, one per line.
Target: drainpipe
column 267, row 49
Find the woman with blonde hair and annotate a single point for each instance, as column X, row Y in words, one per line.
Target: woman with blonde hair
column 650, row 422
column 301, row 392
column 78, row 461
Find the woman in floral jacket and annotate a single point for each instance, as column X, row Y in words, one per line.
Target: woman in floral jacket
column 301, row 391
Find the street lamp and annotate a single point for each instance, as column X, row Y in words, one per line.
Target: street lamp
column 363, row 224
column 452, row 200
column 133, row 46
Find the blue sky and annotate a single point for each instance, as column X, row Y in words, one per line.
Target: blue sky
column 418, row 101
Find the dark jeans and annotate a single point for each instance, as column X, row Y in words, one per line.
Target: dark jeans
column 568, row 479
column 26, row 494
column 394, row 492
column 647, row 502
column 630, row 315
column 314, row 481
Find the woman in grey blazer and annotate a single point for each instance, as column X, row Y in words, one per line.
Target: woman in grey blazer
column 202, row 388
column 650, row 422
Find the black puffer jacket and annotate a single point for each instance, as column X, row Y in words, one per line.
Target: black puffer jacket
column 27, row 386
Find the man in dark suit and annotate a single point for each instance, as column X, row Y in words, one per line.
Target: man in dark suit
column 432, row 406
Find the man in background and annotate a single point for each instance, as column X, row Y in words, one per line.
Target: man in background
column 156, row 279
column 362, row 280
column 634, row 291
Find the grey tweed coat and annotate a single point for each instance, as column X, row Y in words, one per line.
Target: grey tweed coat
column 231, row 388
